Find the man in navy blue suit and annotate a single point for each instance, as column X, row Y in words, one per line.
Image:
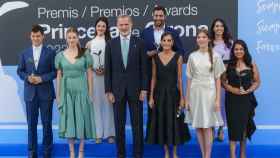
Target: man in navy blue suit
column 36, row 68
column 152, row 35
column 126, row 81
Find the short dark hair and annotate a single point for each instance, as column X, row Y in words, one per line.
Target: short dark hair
column 37, row 28
column 159, row 8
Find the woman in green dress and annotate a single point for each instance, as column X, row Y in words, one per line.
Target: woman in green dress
column 74, row 76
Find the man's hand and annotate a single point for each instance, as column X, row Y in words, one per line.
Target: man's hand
column 31, row 79
column 110, row 97
column 151, row 53
column 34, row 79
column 37, row 79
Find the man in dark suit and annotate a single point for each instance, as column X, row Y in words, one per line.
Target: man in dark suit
column 126, row 81
column 36, row 68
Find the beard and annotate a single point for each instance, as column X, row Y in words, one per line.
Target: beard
column 158, row 23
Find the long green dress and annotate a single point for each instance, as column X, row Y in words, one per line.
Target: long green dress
column 75, row 107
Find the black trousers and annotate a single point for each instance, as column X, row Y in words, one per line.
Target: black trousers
column 136, row 117
column 32, row 111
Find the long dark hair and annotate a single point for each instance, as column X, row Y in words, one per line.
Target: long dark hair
column 226, row 35
column 247, row 56
column 81, row 51
column 210, row 49
column 107, row 32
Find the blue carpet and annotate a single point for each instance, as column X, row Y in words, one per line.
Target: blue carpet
column 265, row 144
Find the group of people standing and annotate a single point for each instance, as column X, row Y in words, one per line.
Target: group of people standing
column 94, row 85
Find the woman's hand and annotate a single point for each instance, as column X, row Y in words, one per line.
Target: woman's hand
column 57, row 100
column 187, row 105
column 151, row 102
column 235, row 91
column 90, row 94
column 217, row 106
column 182, row 103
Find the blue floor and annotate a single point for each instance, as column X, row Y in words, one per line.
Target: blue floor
column 265, row 144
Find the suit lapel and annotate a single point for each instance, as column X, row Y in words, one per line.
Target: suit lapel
column 153, row 36
column 130, row 50
column 31, row 58
column 42, row 56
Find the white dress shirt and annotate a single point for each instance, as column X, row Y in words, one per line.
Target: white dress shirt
column 157, row 34
column 36, row 55
column 125, row 37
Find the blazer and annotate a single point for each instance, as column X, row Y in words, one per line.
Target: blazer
column 46, row 70
column 130, row 80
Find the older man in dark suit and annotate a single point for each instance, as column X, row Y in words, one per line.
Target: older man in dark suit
column 126, row 81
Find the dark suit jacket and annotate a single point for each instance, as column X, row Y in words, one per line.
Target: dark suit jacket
column 148, row 37
column 131, row 79
column 46, row 70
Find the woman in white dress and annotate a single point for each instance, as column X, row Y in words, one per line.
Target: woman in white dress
column 221, row 40
column 204, row 68
column 104, row 117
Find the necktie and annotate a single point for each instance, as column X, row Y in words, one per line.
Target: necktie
column 125, row 46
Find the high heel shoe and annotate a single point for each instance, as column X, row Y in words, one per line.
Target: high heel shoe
column 166, row 154
column 175, row 156
column 220, row 137
column 98, row 140
column 111, row 140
